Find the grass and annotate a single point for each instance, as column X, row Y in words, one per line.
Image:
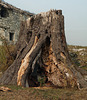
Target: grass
column 19, row 93
column 6, row 54
column 6, row 58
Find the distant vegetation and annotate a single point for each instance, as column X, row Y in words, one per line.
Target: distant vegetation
column 6, row 58
column 78, row 55
column 6, row 55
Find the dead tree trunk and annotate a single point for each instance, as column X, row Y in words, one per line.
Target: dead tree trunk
column 42, row 53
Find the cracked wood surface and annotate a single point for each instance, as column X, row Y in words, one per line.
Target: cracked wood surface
column 25, row 62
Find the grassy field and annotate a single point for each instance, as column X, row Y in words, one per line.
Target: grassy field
column 19, row 93
column 79, row 57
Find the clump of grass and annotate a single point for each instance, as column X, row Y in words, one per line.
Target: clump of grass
column 15, row 87
column 41, row 80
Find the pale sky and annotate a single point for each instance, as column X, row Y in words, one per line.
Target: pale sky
column 74, row 11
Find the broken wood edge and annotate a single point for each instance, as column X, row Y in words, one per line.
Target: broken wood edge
column 25, row 62
column 33, row 66
column 5, row 89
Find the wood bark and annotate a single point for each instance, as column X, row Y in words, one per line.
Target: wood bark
column 42, row 52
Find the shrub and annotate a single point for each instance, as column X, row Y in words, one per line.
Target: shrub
column 6, row 54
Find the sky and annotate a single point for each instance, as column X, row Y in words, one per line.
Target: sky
column 74, row 11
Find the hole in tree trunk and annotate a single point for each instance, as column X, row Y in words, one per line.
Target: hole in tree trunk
column 38, row 77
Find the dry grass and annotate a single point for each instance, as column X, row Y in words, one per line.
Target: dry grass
column 19, row 93
column 6, row 57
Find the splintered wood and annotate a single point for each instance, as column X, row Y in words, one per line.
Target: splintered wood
column 4, row 89
column 25, row 62
column 57, row 72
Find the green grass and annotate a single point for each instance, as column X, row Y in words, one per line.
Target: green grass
column 14, row 87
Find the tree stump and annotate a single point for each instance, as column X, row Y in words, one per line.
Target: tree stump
column 42, row 53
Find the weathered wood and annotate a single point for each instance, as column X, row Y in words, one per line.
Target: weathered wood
column 5, row 89
column 42, row 52
column 25, row 63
